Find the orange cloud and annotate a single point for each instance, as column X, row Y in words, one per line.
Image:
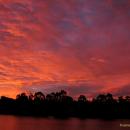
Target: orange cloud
column 47, row 46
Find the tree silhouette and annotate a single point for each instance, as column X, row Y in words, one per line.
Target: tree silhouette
column 101, row 98
column 127, row 98
column 59, row 104
column 22, row 97
column 39, row 96
column 82, row 98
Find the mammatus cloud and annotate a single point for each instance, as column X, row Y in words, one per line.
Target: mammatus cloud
column 80, row 44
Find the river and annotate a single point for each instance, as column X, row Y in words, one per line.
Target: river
column 30, row 123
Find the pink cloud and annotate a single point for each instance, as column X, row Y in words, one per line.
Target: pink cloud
column 73, row 43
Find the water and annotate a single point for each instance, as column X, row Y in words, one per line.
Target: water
column 29, row 123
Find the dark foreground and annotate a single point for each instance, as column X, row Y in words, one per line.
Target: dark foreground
column 60, row 105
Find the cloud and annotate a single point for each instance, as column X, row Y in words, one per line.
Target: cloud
column 64, row 43
column 123, row 91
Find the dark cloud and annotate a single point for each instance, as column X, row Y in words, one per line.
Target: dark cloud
column 123, row 91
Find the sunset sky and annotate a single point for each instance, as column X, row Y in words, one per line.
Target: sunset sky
column 82, row 46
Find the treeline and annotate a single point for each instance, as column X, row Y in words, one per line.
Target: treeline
column 60, row 105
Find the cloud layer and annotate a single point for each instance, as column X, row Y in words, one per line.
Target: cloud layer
column 80, row 45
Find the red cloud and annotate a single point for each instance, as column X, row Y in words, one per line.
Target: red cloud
column 65, row 43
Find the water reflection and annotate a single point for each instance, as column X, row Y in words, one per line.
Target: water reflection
column 29, row 123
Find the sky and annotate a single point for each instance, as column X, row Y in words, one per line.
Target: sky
column 81, row 46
